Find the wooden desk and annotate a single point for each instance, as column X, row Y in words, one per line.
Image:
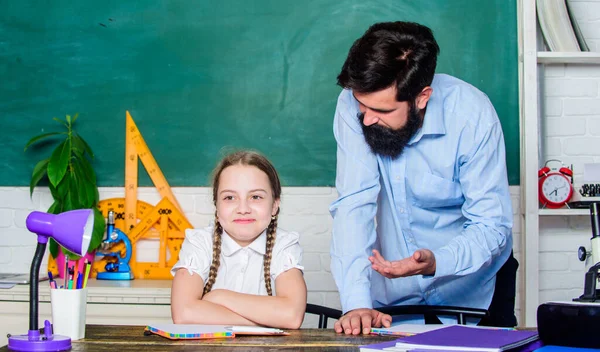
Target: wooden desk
column 108, row 338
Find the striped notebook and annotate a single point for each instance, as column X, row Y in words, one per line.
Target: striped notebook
column 194, row 331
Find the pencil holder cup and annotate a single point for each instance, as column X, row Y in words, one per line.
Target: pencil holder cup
column 68, row 312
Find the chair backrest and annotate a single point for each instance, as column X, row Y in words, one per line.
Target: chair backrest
column 461, row 313
column 324, row 313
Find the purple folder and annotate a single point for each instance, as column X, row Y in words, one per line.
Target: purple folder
column 460, row 337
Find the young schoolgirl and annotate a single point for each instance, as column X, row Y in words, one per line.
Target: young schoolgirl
column 243, row 270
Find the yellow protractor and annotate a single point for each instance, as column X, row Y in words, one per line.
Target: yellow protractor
column 171, row 225
column 163, row 222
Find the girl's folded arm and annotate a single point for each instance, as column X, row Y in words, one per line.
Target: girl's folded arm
column 188, row 307
column 285, row 310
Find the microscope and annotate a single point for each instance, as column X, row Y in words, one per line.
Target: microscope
column 575, row 324
column 590, row 293
column 118, row 269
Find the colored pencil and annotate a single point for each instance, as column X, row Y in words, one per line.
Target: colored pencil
column 87, row 273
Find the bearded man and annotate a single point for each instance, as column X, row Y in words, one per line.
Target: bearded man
column 424, row 214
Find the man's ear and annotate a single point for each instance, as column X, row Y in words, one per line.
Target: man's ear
column 423, row 97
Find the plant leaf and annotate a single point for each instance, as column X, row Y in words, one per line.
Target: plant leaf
column 68, row 205
column 69, row 254
column 74, row 118
column 87, row 169
column 55, row 208
column 81, row 185
column 62, row 122
column 57, row 167
column 68, row 117
column 40, row 137
column 39, row 171
column 61, row 191
column 98, row 231
column 78, row 147
column 53, row 248
column 53, row 191
column 74, row 191
column 85, row 145
column 87, row 193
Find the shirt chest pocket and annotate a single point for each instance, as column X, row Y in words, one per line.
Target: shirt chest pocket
column 431, row 191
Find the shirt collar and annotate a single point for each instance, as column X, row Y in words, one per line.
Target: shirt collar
column 229, row 247
column 433, row 122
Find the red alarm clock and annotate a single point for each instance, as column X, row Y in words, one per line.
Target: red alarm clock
column 555, row 186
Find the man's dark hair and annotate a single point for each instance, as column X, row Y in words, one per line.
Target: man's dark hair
column 400, row 53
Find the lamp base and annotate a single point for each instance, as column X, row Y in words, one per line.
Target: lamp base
column 34, row 341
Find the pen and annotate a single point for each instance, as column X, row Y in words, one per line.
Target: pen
column 87, row 273
column 79, row 282
column 66, row 272
column 71, row 272
column 75, row 273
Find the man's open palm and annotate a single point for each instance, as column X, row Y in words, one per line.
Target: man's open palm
column 422, row 262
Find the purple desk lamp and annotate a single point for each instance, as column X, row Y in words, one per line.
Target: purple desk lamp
column 73, row 231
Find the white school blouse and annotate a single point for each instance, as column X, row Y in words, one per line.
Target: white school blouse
column 241, row 269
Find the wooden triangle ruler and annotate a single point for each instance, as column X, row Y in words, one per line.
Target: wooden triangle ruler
column 136, row 146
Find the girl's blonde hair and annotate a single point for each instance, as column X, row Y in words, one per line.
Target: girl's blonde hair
column 248, row 158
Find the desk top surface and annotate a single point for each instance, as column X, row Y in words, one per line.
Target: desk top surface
column 104, row 338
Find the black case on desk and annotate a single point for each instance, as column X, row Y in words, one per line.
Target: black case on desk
column 569, row 324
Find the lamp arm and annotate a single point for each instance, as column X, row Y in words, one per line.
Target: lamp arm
column 34, row 279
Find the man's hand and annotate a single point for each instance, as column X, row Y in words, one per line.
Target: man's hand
column 357, row 320
column 422, row 262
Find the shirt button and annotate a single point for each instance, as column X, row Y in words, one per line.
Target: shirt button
column 401, row 210
column 398, row 178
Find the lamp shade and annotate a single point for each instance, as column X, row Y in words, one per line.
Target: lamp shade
column 72, row 229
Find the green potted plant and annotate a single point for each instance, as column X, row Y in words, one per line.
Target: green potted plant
column 70, row 177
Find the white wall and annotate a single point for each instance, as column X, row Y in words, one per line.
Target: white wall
column 571, row 133
column 303, row 209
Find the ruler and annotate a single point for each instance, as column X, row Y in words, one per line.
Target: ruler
column 171, row 225
column 135, row 147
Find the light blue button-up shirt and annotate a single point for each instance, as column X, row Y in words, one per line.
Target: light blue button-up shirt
column 447, row 192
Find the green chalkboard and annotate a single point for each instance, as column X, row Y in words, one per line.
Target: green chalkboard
column 200, row 76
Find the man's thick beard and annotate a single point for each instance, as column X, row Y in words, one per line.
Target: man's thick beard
column 388, row 142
